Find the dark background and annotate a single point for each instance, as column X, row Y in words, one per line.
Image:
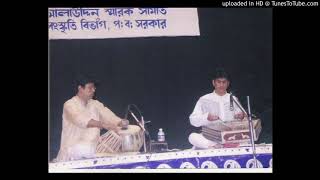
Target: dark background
column 165, row 76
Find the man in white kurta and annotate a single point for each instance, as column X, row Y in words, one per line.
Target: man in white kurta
column 83, row 117
column 212, row 108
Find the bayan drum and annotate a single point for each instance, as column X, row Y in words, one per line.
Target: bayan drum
column 127, row 140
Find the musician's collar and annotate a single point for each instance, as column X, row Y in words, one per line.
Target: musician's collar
column 214, row 93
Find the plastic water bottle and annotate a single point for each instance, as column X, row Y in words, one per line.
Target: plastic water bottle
column 161, row 137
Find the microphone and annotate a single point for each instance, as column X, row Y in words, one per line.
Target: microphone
column 125, row 122
column 126, row 112
column 231, row 102
column 140, row 125
column 136, row 120
column 239, row 105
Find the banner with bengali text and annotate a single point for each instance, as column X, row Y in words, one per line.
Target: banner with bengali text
column 100, row 23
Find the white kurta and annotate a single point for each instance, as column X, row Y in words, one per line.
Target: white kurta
column 77, row 140
column 216, row 105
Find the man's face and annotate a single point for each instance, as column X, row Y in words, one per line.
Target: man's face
column 88, row 90
column 221, row 85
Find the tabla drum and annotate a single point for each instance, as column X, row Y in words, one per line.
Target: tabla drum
column 110, row 142
column 127, row 140
column 132, row 139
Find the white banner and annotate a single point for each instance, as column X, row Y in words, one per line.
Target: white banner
column 99, row 23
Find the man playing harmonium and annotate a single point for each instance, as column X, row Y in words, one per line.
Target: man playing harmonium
column 213, row 108
column 83, row 117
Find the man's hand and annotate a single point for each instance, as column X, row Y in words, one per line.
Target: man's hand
column 239, row 116
column 124, row 123
column 212, row 117
column 109, row 126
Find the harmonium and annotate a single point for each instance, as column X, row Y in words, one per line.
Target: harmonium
column 232, row 131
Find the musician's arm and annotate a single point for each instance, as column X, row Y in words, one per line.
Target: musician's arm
column 106, row 115
column 199, row 118
column 94, row 124
column 75, row 115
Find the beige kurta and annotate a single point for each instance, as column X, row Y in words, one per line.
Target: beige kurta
column 78, row 141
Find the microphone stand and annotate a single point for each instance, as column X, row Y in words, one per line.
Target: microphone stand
column 144, row 137
column 250, row 127
column 141, row 125
column 238, row 104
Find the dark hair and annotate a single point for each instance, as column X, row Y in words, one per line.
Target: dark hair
column 83, row 79
column 220, row 73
